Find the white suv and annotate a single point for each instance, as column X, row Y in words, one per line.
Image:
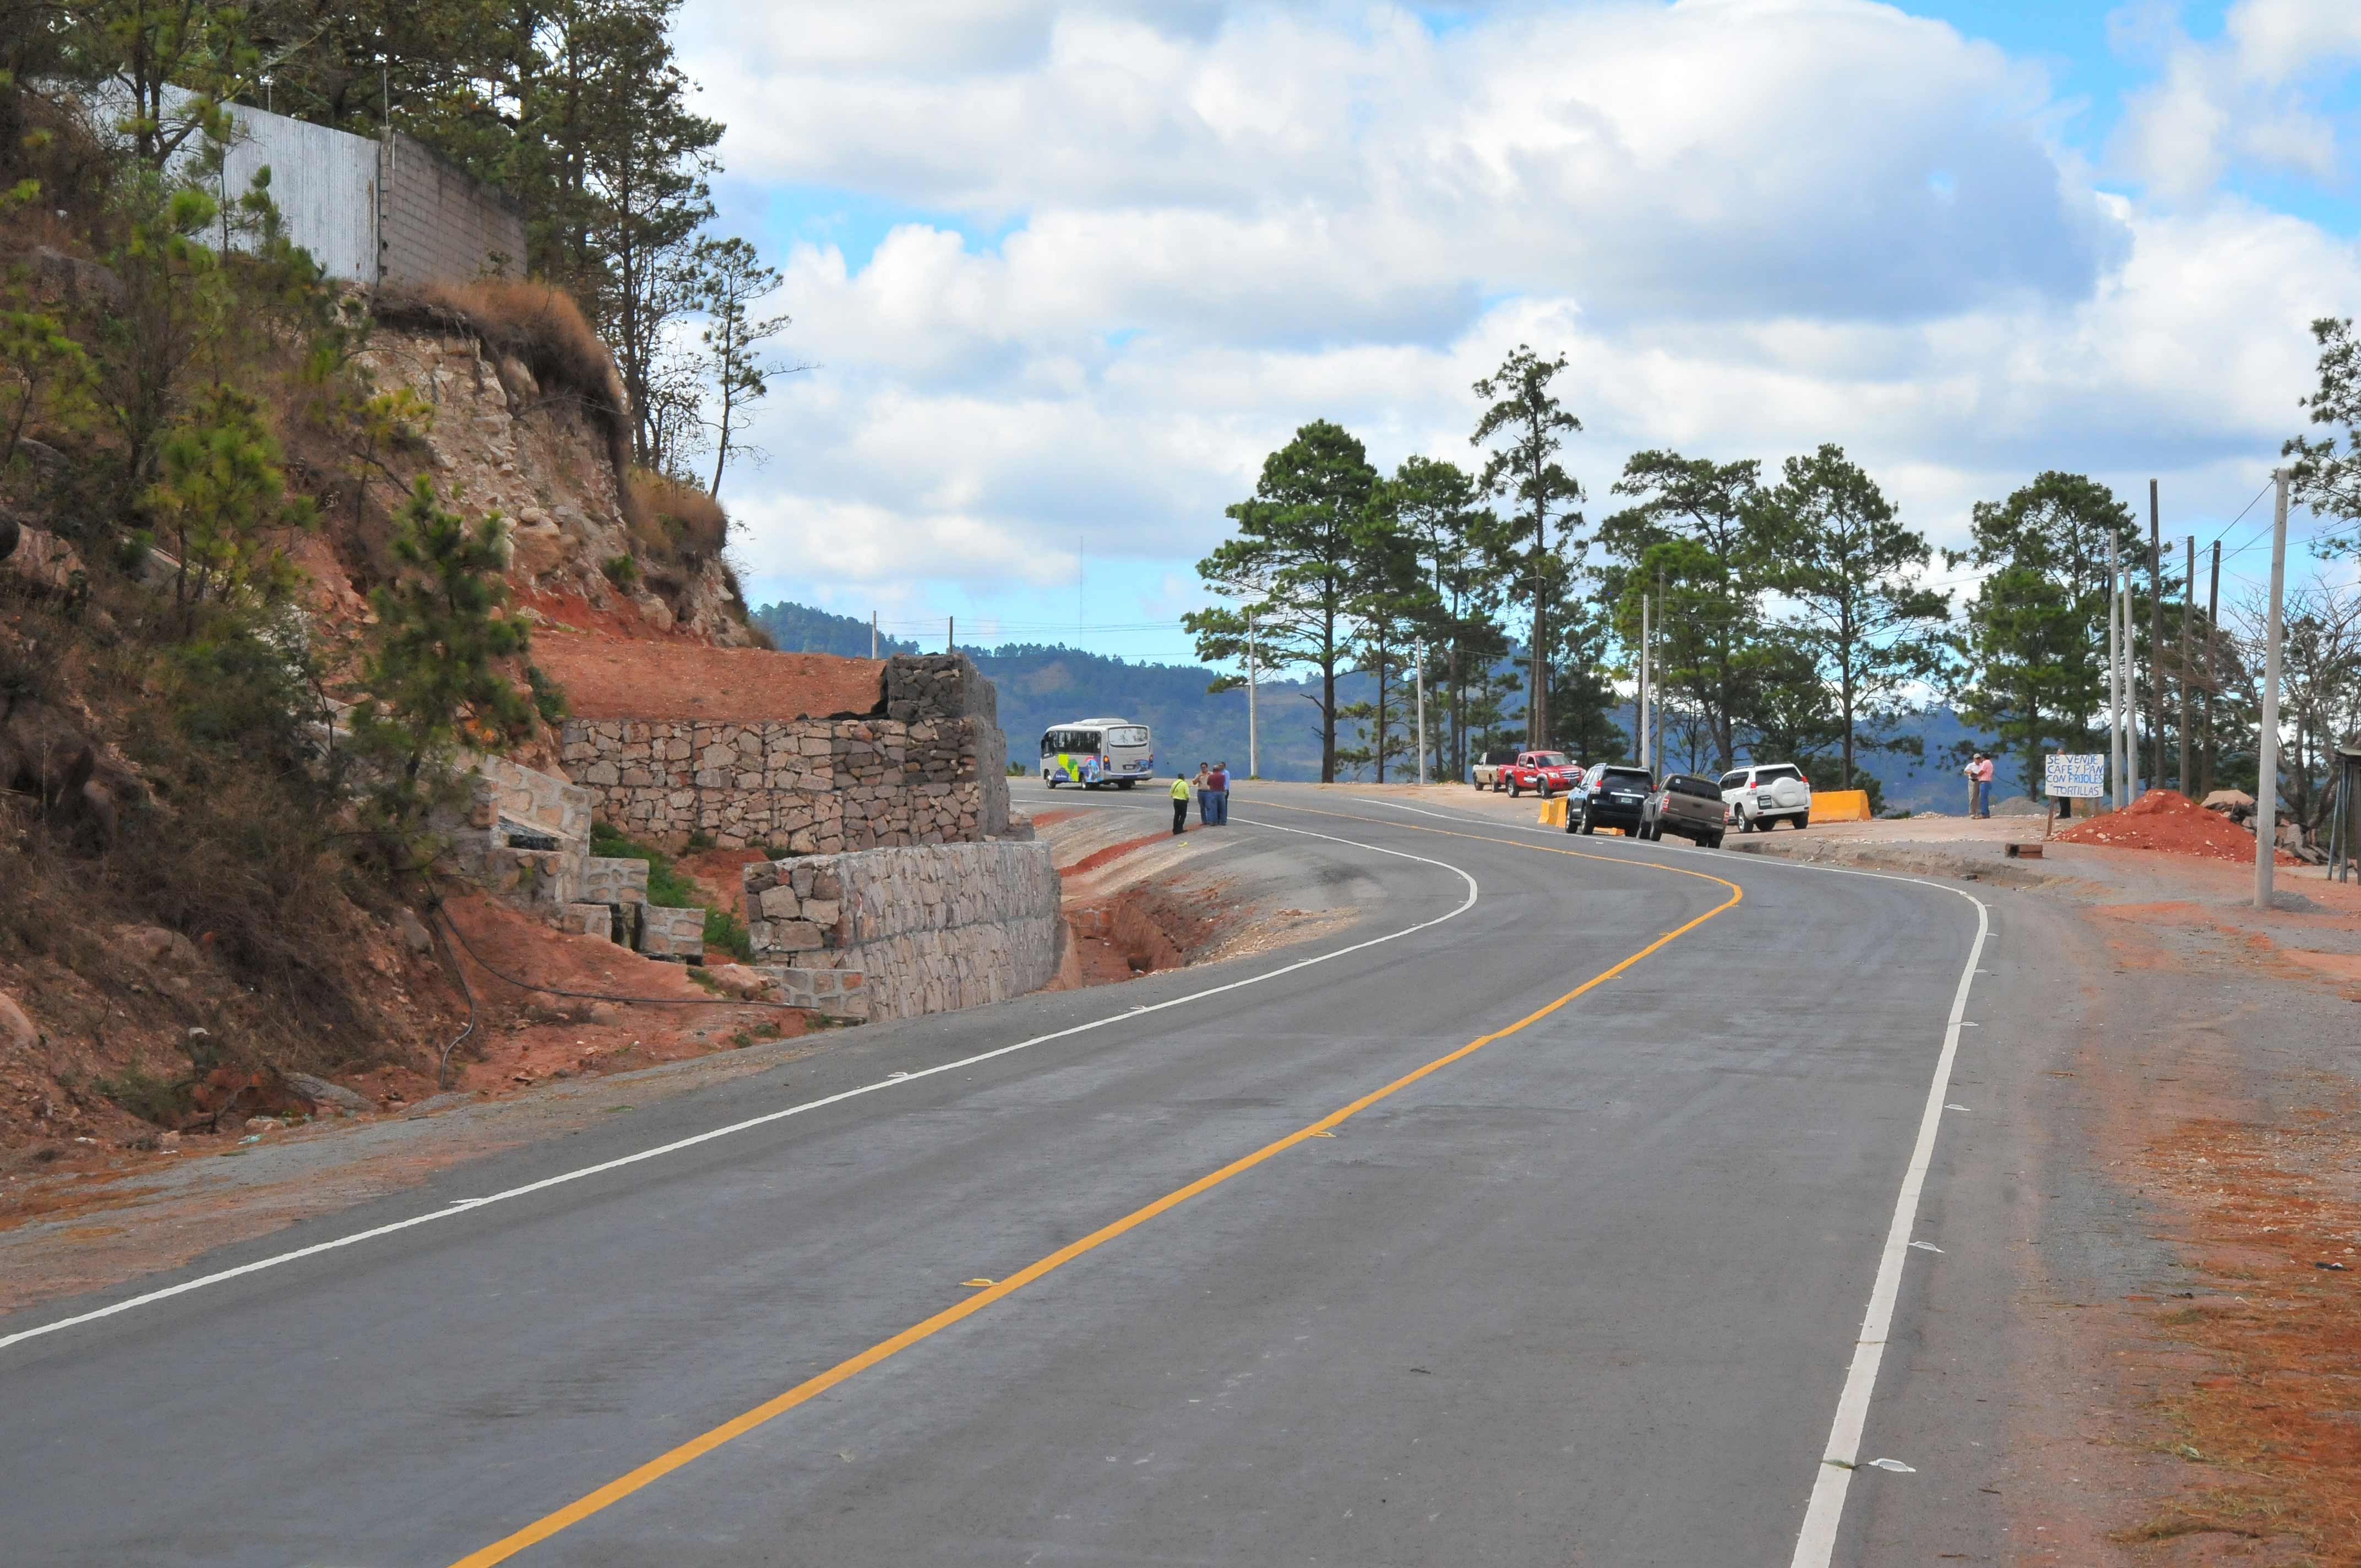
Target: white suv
column 1760, row 797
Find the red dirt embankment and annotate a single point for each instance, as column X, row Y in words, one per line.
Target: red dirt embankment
column 2168, row 820
column 607, row 677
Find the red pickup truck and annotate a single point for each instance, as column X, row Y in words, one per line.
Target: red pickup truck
column 1544, row 773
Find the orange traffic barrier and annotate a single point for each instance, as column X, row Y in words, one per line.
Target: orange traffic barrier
column 1841, row 805
column 1553, row 812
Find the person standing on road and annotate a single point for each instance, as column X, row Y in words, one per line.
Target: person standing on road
column 1179, row 803
column 1219, row 780
column 1203, row 783
column 1980, row 775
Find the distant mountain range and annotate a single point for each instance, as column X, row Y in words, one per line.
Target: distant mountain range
column 1041, row 687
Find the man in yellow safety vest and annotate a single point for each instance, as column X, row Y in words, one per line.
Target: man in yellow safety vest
column 1179, row 803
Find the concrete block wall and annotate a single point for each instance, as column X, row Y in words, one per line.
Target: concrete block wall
column 439, row 222
column 532, row 799
column 928, row 928
column 673, row 933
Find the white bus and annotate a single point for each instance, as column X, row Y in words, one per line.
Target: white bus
column 1094, row 752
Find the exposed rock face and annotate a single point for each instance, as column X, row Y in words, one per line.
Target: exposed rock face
column 499, row 441
column 16, row 1031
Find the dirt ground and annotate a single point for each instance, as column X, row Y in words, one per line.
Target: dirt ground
column 608, row 677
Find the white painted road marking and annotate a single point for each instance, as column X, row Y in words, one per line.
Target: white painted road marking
column 470, row 1205
column 1815, row 1545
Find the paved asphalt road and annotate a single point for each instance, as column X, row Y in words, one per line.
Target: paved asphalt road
column 1586, row 1295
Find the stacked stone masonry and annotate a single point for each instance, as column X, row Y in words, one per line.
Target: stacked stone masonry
column 929, row 769
column 895, row 933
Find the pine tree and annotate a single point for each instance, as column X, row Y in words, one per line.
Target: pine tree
column 431, row 671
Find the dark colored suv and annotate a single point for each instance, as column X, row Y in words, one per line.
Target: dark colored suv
column 1612, row 798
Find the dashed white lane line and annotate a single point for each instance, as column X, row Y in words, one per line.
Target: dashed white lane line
column 895, row 1081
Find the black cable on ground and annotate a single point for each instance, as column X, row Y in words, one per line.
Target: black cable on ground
column 443, row 1066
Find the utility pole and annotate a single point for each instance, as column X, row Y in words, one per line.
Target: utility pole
column 1655, row 699
column 2131, row 689
column 2266, row 773
column 873, row 634
column 1253, row 769
column 950, row 634
column 1420, row 668
column 2114, row 672
column 2212, row 663
column 1643, row 682
column 2187, row 602
column 2155, row 643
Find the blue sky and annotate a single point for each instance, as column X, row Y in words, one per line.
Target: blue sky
column 1067, row 271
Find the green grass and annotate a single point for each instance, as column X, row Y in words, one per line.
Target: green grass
column 667, row 889
column 727, row 932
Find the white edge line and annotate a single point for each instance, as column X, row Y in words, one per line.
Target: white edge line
column 1816, row 1544
column 473, row 1205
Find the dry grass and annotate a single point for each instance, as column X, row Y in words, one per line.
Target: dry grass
column 687, row 524
column 2282, row 1408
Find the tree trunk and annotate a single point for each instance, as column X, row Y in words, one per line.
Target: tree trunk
column 1328, row 700
column 1381, row 747
column 1848, row 728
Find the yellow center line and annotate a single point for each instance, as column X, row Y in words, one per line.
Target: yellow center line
column 696, row 1448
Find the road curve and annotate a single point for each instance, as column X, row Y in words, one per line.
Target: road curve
column 1586, row 1293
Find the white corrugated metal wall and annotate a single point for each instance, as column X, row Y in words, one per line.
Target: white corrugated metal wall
column 325, row 182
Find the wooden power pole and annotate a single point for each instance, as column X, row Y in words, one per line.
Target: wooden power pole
column 2266, row 771
column 2155, row 643
column 2188, row 595
column 2212, row 664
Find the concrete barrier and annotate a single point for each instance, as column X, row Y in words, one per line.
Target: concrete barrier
column 1841, row 805
column 1553, row 811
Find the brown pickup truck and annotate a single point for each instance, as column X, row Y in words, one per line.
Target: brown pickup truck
column 1492, row 769
column 1690, row 807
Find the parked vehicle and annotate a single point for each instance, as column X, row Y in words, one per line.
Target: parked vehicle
column 1764, row 794
column 1544, row 772
column 1689, row 806
column 1492, row 769
column 1612, row 798
column 1094, row 752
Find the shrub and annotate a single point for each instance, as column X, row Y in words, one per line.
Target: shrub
column 689, row 525
column 622, row 571
column 727, row 932
column 162, row 1101
column 548, row 696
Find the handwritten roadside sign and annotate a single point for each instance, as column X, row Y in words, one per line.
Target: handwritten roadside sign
column 2080, row 778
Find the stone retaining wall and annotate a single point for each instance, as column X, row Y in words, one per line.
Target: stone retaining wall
column 923, row 929
column 929, row 768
